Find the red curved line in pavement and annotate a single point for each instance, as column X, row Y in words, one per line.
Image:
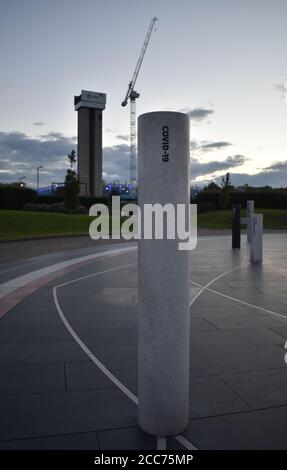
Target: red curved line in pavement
column 15, row 297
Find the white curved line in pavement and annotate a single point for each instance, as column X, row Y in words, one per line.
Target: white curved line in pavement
column 235, row 299
column 160, row 442
column 203, row 288
column 14, row 284
column 78, row 340
column 187, row 444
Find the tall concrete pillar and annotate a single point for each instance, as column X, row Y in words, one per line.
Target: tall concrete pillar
column 163, row 323
column 90, row 106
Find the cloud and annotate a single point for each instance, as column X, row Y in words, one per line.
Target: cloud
column 38, row 123
column 199, row 169
column 205, row 146
column 276, row 166
column 282, row 88
column 197, row 114
column 116, row 162
column 275, row 175
column 123, row 137
column 20, row 154
column 215, row 145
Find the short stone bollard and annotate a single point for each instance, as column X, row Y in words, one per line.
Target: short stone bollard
column 163, row 308
column 256, row 247
column 250, row 212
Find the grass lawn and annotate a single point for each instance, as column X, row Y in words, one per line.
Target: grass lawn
column 23, row 224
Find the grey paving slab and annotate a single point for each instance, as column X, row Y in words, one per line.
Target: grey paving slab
column 277, row 306
column 243, row 284
column 232, row 338
column 249, row 294
column 220, row 361
column 256, row 430
column 207, row 299
column 27, row 416
column 223, row 307
column 109, row 336
column 126, row 439
column 42, row 296
column 29, row 318
column 201, row 324
column 85, row 376
column 32, row 378
column 15, row 353
column 57, row 352
column 114, row 309
column 112, row 279
column 117, row 357
column 33, row 333
column 261, row 389
column 280, row 330
column 209, row 396
column 80, row 305
column 119, row 296
column 82, row 441
column 37, row 307
column 106, row 320
column 244, row 321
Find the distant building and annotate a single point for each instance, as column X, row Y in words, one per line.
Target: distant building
column 90, row 106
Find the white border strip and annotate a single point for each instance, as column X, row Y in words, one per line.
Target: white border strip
column 14, row 284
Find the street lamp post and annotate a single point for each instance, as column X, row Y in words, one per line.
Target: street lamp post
column 38, row 168
column 21, row 182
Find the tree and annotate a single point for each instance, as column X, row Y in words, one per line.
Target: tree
column 72, row 158
column 72, row 187
column 226, row 187
column 212, row 187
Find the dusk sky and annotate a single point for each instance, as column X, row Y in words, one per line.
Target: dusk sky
column 221, row 61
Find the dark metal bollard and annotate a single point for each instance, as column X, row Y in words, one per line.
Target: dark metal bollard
column 236, row 222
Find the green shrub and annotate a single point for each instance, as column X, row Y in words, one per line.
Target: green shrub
column 41, row 199
column 13, row 196
column 263, row 198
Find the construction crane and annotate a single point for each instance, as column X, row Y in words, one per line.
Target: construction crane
column 132, row 95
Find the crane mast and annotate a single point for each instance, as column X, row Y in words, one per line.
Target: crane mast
column 132, row 95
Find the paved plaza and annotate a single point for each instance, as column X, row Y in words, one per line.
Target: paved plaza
column 68, row 349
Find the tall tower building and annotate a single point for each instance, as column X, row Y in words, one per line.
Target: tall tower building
column 90, row 106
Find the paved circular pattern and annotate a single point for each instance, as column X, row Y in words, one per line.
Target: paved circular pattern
column 53, row 395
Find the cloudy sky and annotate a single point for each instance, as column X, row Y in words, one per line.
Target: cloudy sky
column 221, row 61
